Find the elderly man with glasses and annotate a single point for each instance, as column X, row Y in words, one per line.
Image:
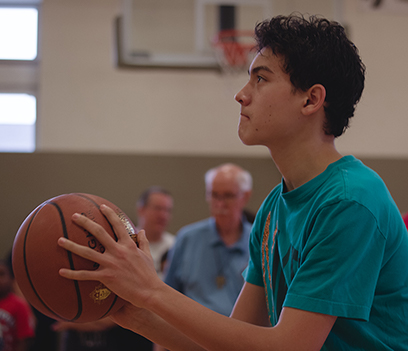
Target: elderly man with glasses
column 209, row 256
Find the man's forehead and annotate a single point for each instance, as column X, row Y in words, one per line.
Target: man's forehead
column 225, row 181
column 266, row 60
column 158, row 197
column 225, row 175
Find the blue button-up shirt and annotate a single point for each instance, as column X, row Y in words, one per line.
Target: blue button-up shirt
column 199, row 256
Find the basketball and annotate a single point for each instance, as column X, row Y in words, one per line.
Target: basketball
column 37, row 258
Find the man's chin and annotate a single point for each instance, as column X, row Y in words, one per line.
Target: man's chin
column 222, row 216
column 245, row 139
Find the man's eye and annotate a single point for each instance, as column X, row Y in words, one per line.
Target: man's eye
column 259, row 78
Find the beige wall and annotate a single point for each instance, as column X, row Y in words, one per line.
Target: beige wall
column 88, row 105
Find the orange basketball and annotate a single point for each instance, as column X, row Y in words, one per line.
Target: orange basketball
column 37, row 259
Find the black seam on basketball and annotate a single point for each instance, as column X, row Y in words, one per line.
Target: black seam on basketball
column 26, row 264
column 110, row 308
column 98, row 207
column 71, row 262
column 116, row 239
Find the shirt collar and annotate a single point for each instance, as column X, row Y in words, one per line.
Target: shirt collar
column 240, row 245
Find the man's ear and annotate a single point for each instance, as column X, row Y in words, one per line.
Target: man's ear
column 315, row 98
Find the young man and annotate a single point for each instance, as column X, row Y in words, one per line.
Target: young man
column 328, row 262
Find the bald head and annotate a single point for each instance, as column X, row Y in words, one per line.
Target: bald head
column 232, row 172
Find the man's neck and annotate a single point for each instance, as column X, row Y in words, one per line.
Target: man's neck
column 305, row 163
column 230, row 233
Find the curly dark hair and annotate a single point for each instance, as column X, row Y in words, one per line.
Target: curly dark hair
column 317, row 51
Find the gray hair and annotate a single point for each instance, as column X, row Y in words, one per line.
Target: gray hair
column 243, row 177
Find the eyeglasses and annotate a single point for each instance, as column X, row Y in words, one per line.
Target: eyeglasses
column 227, row 197
column 158, row 208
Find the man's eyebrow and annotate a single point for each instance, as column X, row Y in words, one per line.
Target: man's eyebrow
column 260, row 68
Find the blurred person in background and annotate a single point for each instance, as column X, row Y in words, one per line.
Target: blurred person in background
column 210, row 255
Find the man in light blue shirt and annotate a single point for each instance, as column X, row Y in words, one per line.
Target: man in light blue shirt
column 209, row 256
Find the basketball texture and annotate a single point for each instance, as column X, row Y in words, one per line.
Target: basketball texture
column 37, row 259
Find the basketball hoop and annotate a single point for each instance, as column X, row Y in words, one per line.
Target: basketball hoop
column 234, row 49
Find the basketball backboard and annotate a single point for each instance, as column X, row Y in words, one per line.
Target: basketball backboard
column 178, row 33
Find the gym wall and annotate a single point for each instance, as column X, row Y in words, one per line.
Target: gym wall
column 27, row 180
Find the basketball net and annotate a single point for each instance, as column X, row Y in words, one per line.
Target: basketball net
column 234, row 50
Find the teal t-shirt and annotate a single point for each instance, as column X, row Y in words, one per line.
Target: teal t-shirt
column 336, row 245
